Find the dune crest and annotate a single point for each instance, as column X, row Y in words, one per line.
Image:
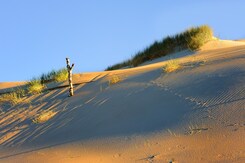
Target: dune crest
column 218, row 44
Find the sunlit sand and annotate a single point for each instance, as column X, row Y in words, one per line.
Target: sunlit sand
column 195, row 113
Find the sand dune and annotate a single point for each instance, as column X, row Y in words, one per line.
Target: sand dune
column 9, row 86
column 195, row 114
column 219, row 44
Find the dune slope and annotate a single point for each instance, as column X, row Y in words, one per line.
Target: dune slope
column 195, row 114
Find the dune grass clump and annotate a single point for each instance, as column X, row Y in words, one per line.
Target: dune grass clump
column 61, row 75
column 114, row 79
column 21, row 92
column 197, row 37
column 54, row 75
column 193, row 38
column 171, row 66
column 126, row 63
column 35, row 86
column 47, row 77
column 13, row 98
column 44, row 116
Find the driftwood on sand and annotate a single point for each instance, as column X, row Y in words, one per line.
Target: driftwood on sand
column 69, row 69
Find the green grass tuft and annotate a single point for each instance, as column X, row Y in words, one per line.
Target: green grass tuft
column 54, row 75
column 14, row 97
column 47, row 77
column 193, row 38
column 197, row 37
column 61, row 75
column 171, row 66
column 114, row 79
column 35, row 86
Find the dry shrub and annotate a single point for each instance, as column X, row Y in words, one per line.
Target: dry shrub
column 171, row 66
column 11, row 98
column 35, row 86
column 44, row 116
column 114, row 79
column 14, row 97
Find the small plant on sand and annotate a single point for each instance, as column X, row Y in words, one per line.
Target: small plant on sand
column 14, row 97
column 54, row 75
column 47, row 77
column 61, row 75
column 171, row 66
column 114, row 79
column 44, row 116
column 20, row 92
column 35, row 86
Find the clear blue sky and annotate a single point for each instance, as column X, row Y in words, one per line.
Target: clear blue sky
column 37, row 35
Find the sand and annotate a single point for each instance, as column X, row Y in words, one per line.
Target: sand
column 195, row 114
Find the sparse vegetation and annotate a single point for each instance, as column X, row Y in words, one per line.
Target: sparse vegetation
column 44, row 116
column 54, row 75
column 35, row 86
column 127, row 63
column 21, row 92
column 61, row 75
column 47, row 77
column 114, row 79
column 14, row 97
column 192, row 39
column 171, row 66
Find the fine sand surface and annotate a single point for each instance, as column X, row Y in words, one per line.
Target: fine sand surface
column 195, row 114
column 9, row 86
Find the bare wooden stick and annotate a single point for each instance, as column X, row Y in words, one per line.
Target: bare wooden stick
column 69, row 69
